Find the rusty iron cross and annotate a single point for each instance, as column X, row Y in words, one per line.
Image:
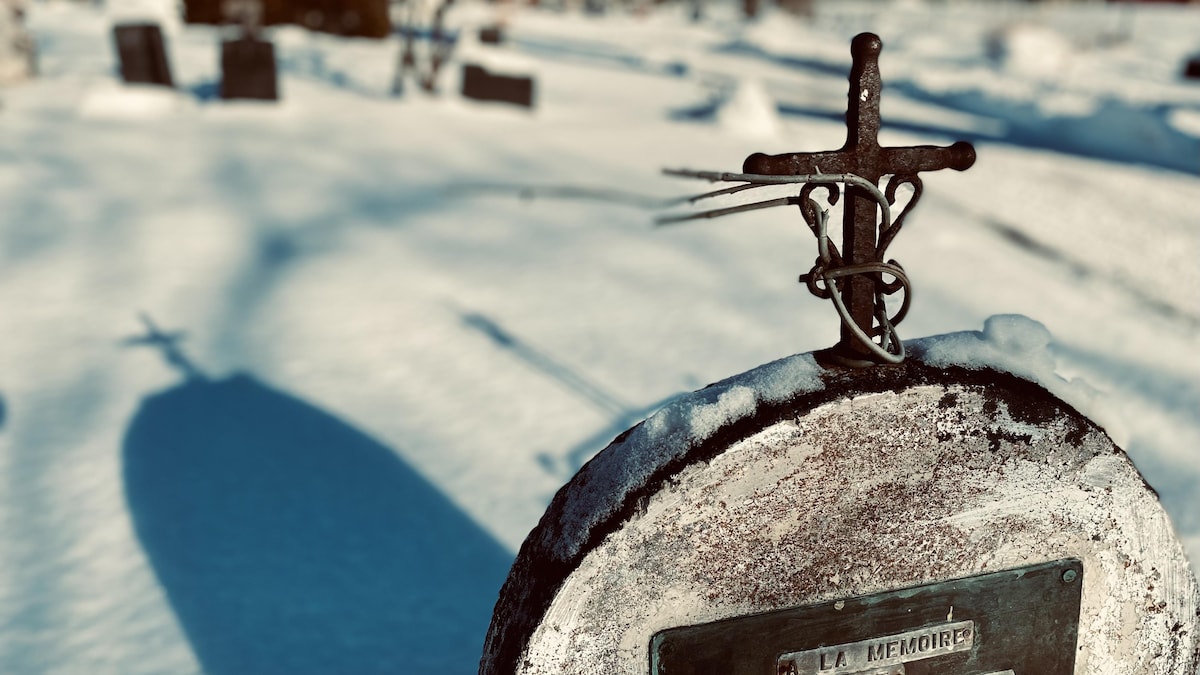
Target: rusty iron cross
column 862, row 155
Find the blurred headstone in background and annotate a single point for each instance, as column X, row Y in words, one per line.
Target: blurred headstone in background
column 356, row 18
column 142, row 54
column 17, row 49
column 248, row 69
column 804, row 8
column 479, row 84
column 1029, row 49
column 248, row 62
column 491, row 35
column 1191, row 68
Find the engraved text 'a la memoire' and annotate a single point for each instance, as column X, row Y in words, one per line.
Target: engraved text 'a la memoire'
column 881, row 652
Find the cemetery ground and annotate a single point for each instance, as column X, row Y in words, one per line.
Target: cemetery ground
column 375, row 334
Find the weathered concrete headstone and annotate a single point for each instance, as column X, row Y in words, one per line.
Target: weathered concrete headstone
column 481, row 85
column 920, row 518
column 142, row 54
column 954, row 513
column 248, row 69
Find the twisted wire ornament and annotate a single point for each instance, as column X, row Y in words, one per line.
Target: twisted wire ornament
column 826, row 279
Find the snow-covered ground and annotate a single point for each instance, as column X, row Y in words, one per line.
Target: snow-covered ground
column 395, row 326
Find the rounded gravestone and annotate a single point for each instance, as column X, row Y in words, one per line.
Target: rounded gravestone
column 949, row 519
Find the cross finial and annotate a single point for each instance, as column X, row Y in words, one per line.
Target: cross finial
column 862, row 155
column 862, row 113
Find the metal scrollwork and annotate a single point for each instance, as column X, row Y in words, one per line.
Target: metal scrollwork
column 830, row 276
column 858, row 271
column 809, row 206
column 811, row 211
column 889, row 232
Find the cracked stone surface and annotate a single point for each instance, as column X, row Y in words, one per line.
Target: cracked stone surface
column 852, row 493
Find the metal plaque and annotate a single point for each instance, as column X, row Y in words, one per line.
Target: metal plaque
column 1016, row 622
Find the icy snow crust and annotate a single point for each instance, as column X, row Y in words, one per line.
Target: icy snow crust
column 606, row 481
column 1008, row 343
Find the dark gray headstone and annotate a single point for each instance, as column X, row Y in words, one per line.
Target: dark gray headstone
column 481, row 85
column 1191, row 68
column 491, row 35
column 248, row 69
column 142, row 54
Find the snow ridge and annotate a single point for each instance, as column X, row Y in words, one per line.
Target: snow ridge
column 668, row 434
column 1008, row 343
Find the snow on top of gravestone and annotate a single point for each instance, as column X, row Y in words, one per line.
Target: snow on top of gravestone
column 1008, row 343
column 1030, row 50
column 165, row 13
column 121, row 101
column 1185, row 120
column 605, row 482
column 1019, row 345
column 750, row 111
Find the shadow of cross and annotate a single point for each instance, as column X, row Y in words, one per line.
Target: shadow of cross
column 862, row 155
column 168, row 343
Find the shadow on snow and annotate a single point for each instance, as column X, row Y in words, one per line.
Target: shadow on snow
column 289, row 542
column 1113, row 130
column 621, row 413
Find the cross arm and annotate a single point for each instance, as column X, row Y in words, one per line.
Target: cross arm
column 798, row 164
column 918, row 158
